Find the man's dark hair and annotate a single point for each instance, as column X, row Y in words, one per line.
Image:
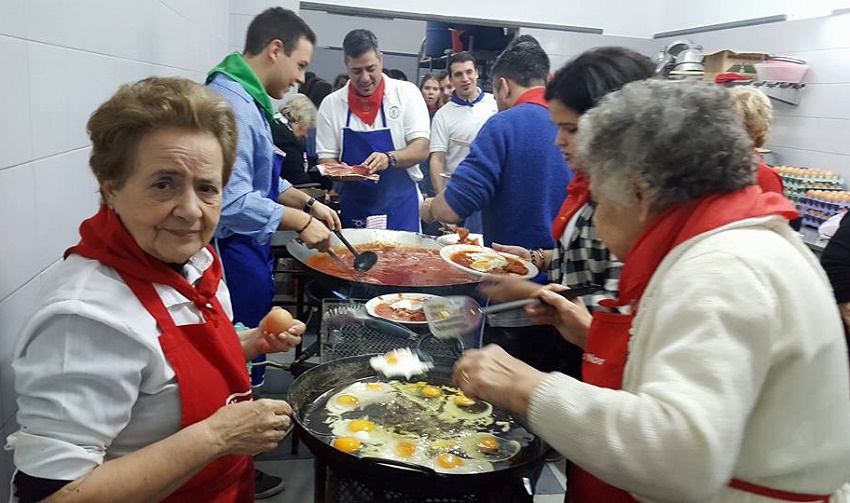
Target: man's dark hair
column 277, row 23
column 359, row 42
column 460, row 57
column 397, row 74
column 580, row 83
column 444, row 74
column 523, row 61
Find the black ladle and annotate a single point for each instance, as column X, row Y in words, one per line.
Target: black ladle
column 362, row 261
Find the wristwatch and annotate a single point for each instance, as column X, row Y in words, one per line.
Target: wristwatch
column 309, row 205
column 391, row 158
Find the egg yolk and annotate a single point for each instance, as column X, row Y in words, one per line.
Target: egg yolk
column 488, row 444
column 464, row 401
column 481, row 265
column 431, row 391
column 373, row 386
column 405, row 449
column 361, row 425
column 447, row 460
column 347, row 400
column 347, row 444
column 392, row 358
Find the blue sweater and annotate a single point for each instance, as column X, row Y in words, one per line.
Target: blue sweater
column 515, row 175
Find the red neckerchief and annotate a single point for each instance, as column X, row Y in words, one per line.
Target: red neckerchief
column 104, row 238
column 366, row 107
column 536, row 95
column 682, row 222
column 578, row 193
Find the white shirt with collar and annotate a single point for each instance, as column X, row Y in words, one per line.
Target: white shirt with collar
column 92, row 381
column 405, row 110
column 455, row 125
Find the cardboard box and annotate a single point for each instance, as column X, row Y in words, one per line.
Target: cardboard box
column 726, row 60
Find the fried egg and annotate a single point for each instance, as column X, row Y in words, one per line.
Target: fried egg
column 400, row 362
column 347, row 444
column 447, row 462
column 407, row 304
column 359, row 395
column 426, row 395
column 363, row 430
column 461, row 407
column 489, row 447
column 486, row 261
column 407, row 449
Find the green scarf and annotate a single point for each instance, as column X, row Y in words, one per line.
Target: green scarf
column 235, row 67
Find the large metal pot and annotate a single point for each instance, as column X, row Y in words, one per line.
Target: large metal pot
column 389, row 475
column 364, row 290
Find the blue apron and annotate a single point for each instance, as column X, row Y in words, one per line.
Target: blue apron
column 395, row 195
column 248, row 273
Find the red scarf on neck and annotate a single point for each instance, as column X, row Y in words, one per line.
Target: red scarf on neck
column 366, row 107
column 104, row 238
column 535, row 95
column 682, row 222
column 578, row 193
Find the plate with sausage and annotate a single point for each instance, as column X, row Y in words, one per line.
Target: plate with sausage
column 480, row 260
column 403, row 308
column 345, row 173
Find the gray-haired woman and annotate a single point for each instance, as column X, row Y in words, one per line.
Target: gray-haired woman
column 712, row 383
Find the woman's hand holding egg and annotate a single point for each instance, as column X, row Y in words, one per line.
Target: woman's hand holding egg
column 278, row 332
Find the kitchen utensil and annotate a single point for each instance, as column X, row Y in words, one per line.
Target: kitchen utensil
column 457, row 315
column 342, row 281
column 362, row 261
column 306, row 394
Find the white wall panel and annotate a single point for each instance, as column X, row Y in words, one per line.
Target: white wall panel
column 50, row 124
column 13, row 18
column 818, row 100
column 812, row 133
column 121, row 29
column 16, row 138
column 50, row 21
column 66, row 193
column 18, row 228
column 400, row 35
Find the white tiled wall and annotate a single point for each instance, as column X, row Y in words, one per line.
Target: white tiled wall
column 562, row 46
column 60, row 60
column 815, row 132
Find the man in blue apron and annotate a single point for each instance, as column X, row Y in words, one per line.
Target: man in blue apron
column 256, row 202
column 382, row 124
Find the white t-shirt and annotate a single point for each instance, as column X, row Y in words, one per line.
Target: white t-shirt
column 92, row 381
column 455, row 126
column 405, row 110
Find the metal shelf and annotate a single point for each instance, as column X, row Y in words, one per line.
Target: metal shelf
column 784, row 92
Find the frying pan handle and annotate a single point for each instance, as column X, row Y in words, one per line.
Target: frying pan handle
column 399, row 464
column 390, row 328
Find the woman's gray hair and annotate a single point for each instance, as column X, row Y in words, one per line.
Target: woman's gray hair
column 300, row 110
column 682, row 140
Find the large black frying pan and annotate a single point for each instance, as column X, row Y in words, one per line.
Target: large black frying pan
column 307, row 389
column 363, row 290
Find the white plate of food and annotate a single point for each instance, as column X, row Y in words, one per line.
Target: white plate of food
column 346, row 173
column 405, row 308
column 462, row 236
column 480, row 260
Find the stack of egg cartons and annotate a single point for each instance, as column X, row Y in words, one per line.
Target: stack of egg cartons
column 817, row 193
column 818, row 205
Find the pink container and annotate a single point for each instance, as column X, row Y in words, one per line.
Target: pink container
column 781, row 71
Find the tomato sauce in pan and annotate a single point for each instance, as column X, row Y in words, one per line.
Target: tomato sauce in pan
column 397, row 265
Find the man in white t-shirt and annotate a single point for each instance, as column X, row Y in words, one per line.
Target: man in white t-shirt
column 456, row 124
column 381, row 124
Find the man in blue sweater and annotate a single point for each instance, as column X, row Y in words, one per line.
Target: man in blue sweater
column 517, row 177
column 514, row 174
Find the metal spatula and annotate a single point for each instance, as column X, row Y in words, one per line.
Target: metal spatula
column 455, row 316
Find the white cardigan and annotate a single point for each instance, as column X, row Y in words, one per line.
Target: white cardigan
column 737, row 369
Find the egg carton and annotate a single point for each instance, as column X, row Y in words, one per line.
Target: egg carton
column 813, row 221
column 819, row 204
